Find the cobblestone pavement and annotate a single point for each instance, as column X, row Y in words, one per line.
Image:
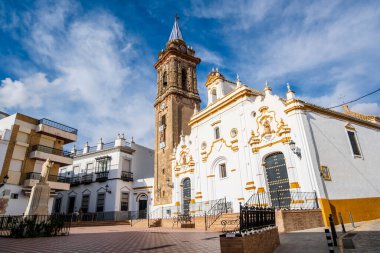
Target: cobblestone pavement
column 117, row 239
column 366, row 237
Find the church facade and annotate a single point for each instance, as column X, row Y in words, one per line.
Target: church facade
column 248, row 143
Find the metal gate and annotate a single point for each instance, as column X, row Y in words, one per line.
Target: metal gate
column 278, row 180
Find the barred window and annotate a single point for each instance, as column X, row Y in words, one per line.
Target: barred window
column 85, row 203
column 100, row 202
column 124, row 201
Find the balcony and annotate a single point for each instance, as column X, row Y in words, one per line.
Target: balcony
column 55, row 182
column 74, row 181
column 127, row 176
column 52, row 128
column 60, row 156
column 87, row 179
column 101, row 176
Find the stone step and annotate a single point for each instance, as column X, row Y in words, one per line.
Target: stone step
column 98, row 223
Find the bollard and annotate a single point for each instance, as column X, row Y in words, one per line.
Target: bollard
column 333, row 231
column 329, row 241
column 342, row 223
column 352, row 220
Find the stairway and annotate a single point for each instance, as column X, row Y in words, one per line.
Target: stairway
column 98, row 223
column 230, row 218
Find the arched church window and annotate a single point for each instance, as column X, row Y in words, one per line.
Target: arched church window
column 165, row 80
column 184, row 79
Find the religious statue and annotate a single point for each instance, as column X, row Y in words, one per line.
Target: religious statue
column 46, row 170
column 267, row 129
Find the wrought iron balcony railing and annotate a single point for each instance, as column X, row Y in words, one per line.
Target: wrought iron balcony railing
column 127, row 176
column 102, row 176
column 59, row 126
column 50, row 150
column 37, row 176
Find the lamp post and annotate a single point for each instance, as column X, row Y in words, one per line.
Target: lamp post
column 108, row 189
column 295, row 150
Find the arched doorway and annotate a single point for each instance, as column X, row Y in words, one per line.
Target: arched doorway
column 278, row 180
column 186, row 195
column 143, row 205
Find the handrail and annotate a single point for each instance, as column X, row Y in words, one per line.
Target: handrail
column 50, row 150
column 57, row 125
column 215, row 212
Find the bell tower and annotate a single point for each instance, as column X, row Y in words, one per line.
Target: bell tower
column 177, row 95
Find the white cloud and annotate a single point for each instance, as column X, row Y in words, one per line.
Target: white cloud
column 243, row 13
column 99, row 85
column 209, row 56
column 367, row 108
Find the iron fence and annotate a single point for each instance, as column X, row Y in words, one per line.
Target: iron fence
column 127, row 176
column 20, row 226
column 57, row 125
column 37, row 176
column 253, row 218
column 294, row 200
column 50, row 150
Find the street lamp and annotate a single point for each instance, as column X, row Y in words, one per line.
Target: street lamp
column 108, row 189
column 295, row 150
column 5, row 179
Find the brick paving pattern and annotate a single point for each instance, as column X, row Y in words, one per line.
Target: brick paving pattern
column 117, row 239
column 366, row 238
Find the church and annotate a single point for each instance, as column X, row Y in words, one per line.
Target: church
column 247, row 144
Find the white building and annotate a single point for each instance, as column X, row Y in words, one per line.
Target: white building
column 248, row 141
column 108, row 178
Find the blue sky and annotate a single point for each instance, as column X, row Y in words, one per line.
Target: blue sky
column 89, row 64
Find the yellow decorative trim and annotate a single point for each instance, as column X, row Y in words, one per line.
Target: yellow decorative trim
column 250, row 182
column 299, row 201
column 211, row 176
column 216, row 122
column 233, row 170
column 294, row 185
column 263, row 108
column 226, row 101
column 184, row 172
column 250, row 188
column 207, row 154
column 234, row 141
column 198, row 197
column 284, row 140
column 350, row 127
column 297, row 107
column 177, row 203
column 240, row 199
column 260, row 205
column 370, row 118
column 212, row 77
column 142, row 187
column 192, row 201
column 332, row 113
column 177, row 213
column 198, row 193
column 260, row 190
column 192, row 211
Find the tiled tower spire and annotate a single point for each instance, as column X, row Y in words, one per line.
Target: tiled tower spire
column 176, row 32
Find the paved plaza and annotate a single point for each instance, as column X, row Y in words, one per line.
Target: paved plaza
column 124, row 238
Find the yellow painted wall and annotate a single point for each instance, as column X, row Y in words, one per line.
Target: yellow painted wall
column 361, row 209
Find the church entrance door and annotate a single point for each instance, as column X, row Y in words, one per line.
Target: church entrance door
column 186, row 195
column 278, row 180
column 143, row 205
